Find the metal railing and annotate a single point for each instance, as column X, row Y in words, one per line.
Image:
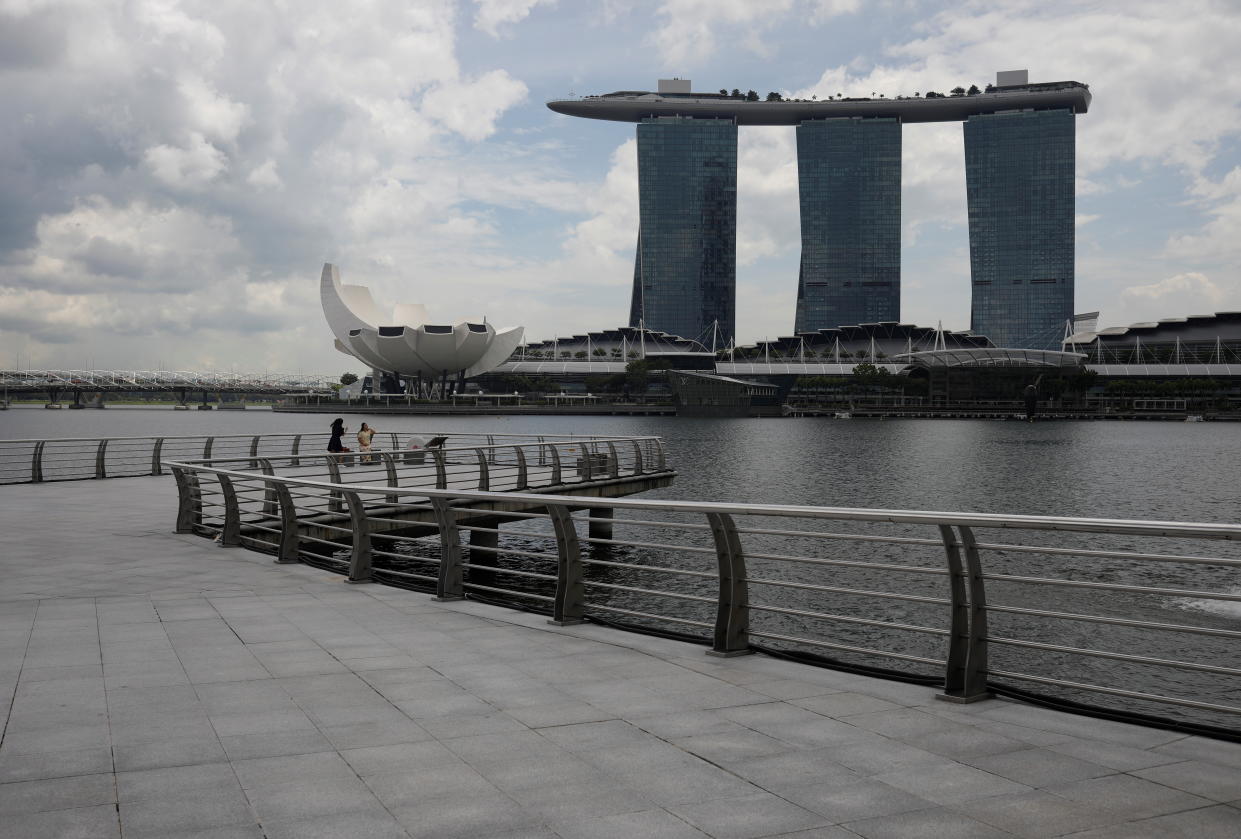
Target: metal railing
column 1084, row 608
column 83, row 458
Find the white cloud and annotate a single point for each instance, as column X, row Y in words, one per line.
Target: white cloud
column 210, row 113
column 491, row 15
column 267, row 139
column 264, row 175
column 689, row 28
column 1190, row 293
column 1219, row 240
column 191, row 166
column 827, row 9
column 97, row 248
column 471, row 108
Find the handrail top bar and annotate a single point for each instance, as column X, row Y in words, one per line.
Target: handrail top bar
column 402, row 452
column 1206, row 530
column 219, row 437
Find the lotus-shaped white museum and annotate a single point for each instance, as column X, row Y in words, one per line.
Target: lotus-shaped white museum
column 404, row 343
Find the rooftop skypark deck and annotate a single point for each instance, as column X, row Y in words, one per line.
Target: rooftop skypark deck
column 634, row 106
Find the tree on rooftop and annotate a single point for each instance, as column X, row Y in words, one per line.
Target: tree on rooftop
column 774, row 97
column 348, row 378
column 973, row 91
column 957, row 91
column 723, row 92
column 751, row 96
column 737, row 93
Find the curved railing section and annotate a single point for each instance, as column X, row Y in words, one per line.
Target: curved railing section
column 84, row 458
column 1143, row 617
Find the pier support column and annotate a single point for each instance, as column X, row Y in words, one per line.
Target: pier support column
column 485, row 558
column 601, row 529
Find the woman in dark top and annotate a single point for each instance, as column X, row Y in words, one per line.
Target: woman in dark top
column 338, row 428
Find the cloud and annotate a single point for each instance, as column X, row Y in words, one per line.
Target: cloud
column 175, row 172
column 191, row 166
column 491, row 15
column 1219, row 240
column 471, row 108
column 1181, row 293
column 97, row 248
column 689, row 28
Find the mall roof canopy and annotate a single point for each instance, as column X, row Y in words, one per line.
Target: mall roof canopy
column 992, row 357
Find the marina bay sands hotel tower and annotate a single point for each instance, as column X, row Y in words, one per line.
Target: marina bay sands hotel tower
column 1019, row 169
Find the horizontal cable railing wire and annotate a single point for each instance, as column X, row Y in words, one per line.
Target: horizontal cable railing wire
column 1086, row 609
column 84, row 458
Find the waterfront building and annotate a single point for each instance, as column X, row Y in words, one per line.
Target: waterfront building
column 1020, row 146
column 849, row 188
column 402, row 345
column 1019, row 170
column 685, row 267
column 1196, row 345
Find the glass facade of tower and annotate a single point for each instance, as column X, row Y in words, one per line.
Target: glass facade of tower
column 1019, row 172
column 849, row 181
column 685, row 270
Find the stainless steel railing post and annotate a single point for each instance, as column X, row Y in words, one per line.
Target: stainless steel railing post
column 334, row 502
column 964, row 679
column 290, row 539
column 570, row 600
column 230, row 535
column 484, row 474
column 271, row 503
column 156, row 452
column 523, row 474
column 297, row 445
column 637, row 457
column 450, row 583
column 613, row 466
column 207, row 448
column 36, row 463
column 101, row 470
column 975, row 684
column 732, row 617
column 390, row 468
column 189, row 502
column 441, row 474
column 556, row 477
column 254, row 451
column 360, row 561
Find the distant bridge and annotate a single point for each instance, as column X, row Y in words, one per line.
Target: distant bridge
column 181, row 382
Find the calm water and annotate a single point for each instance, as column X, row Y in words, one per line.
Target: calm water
column 1142, row 470
column 1160, row 470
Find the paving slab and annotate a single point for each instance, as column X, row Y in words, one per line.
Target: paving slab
column 155, row 684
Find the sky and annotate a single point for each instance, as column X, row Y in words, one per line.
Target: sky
column 173, row 175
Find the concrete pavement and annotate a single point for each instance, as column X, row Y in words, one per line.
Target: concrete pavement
column 156, row 685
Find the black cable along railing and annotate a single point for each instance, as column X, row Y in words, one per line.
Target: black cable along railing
column 70, row 459
column 918, row 590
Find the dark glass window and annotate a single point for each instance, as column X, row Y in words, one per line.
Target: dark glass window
column 1019, row 173
column 685, row 271
column 849, row 183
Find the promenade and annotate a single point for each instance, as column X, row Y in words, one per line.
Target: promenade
column 157, row 685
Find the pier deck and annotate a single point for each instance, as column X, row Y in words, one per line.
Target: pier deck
column 155, row 685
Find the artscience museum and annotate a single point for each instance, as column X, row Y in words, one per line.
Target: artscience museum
column 404, row 349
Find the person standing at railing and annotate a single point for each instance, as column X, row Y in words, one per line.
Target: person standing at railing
column 335, row 445
column 365, row 435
